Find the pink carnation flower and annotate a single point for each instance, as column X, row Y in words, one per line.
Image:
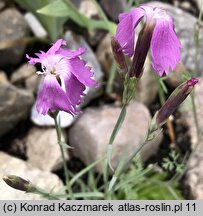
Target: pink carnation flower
column 65, row 79
column 164, row 43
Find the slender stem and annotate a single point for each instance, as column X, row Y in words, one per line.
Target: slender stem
column 46, row 194
column 58, row 132
column 115, row 131
column 195, row 115
column 197, row 39
column 123, row 166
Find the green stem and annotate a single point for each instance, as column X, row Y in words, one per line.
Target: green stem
column 115, row 131
column 58, row 132
column 162, row 97
column 195, row 114
column 123, row 166
column 197, row 40
column 46, row 194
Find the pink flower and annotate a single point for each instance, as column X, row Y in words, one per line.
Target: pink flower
column 65, row 79
column 164, row 43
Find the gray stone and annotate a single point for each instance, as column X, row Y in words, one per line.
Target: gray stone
column 175, row 78
column 45, row 120
column 113, row 10
column 2, row 4
column 12, row 166
column 184, row 26
column 91, row 132
column 194, row 174
column 43, row 151
column 3, row 77
column 25, row 77
column 22, row 73
column 104, row 53
column 187, row 113
column 13, row 27
column 34, row 24
column 15, row 105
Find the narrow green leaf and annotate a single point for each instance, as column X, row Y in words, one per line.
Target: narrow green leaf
column 118, row 124
column 65, row 145
column 61, row 8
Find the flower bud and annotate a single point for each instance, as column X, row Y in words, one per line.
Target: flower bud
column 141, row 49
column 119, row 56
column 175, row 99
column 19, row 183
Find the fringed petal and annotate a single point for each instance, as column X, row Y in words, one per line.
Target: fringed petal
column 165, row 47
column 82, row 72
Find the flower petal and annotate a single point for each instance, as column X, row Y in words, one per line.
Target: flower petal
column 56, row 46
column 52, row 97
column 71, row 53
column 125, row 33
column 165, row 47
column 74, row 89
column 33, row 61
column 82, row 72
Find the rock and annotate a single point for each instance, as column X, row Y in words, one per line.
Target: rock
column 187, row 113
column 45, row 120
column 43, row 151
column 22, row 73
column 186, row 34
column 2, row 4
column 13, row 27
column 3, row 77
column 32, row 83
column 104, row 53
column 91, row 132
column 15, row 105
column 188, row 6
column 113, row 10
column 34, row 24
column 26, row 77
column 89, row 9
column 176, row 77
column 12, row 166
column 194, row 174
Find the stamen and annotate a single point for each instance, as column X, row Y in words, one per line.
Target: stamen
column 40, row 72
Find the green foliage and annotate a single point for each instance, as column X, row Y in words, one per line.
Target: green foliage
column 146, row 184
column 65, row 8
column 53, row 25
column 172, row 163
